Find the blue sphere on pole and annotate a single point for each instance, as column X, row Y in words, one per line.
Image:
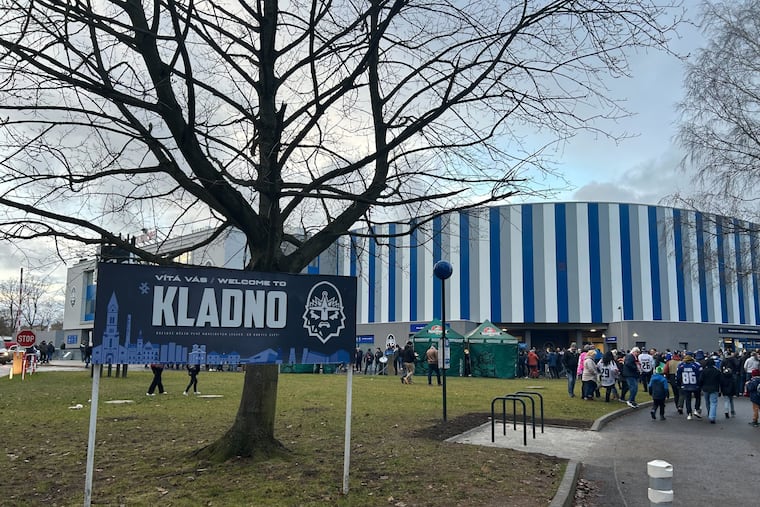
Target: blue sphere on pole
column 443, row 270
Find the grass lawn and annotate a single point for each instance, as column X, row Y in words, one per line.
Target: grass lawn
column 144, row 449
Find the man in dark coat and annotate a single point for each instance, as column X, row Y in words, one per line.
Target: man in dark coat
column 728, row 385
column 570, row 361
column 709, row 381
column 631, row 375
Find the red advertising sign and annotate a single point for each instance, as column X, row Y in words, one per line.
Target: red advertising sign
column 26, row 338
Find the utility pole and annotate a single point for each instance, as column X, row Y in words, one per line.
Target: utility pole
column 17, row 323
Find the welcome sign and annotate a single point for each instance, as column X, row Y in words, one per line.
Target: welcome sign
column 147, row 314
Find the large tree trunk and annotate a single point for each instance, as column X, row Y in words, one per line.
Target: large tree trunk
column 252, row 433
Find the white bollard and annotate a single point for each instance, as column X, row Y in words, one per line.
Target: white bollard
column 660, row 483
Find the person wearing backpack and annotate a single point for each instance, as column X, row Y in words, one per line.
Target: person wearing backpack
column 752, row 386
column 727, row 388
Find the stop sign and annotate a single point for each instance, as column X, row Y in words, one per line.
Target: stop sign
column 25, row 338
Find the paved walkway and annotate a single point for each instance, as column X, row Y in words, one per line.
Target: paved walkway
column 711, row 462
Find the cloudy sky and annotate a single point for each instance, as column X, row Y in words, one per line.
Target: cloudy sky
column 642, row 168
column 639, row 169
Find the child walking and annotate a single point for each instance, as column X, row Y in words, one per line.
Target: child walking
column 658, row 388
column 193, row 372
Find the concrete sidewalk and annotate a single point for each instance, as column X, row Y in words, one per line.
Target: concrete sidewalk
column 54, row 365
column 710, row 461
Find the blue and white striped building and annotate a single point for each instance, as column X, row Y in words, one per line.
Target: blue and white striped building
column 562, row 272
column 609, row 273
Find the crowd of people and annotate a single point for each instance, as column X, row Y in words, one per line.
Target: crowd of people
column 688, row 378
column 400, row 359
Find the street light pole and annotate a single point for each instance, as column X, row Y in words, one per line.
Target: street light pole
column 623, row 328
column 443, row 270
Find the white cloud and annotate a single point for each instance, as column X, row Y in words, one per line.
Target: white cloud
column 650, row 181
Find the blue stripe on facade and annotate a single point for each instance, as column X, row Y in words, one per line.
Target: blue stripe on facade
column 413, row 270
column 464, row 261
column 392, row 273
column 721, row 270
column 739, row 270
column 595, row 263
column 313, row 267
column 529, row 305
column 680, row 267
column 371, row 274
column 755, row 261
column 560, row 238
column 654, row 262
column 494, row 244
column 702, row 273
column 371, row 279
column 437, row 248
column 625, row 261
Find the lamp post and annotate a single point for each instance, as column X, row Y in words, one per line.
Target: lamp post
column 443, row 270
column 623, row 328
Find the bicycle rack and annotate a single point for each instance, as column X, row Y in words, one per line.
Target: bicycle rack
column 541, row 399
column 514, row 400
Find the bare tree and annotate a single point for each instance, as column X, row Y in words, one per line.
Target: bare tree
column 720, row 123
column 36, row 301
column 309, row 116
column 720, row 132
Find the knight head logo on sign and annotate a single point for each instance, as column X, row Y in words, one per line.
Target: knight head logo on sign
column 323, row 317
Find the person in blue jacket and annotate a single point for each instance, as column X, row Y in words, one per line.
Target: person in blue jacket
column 658, row 388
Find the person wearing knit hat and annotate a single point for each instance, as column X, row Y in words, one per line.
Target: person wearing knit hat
column 728, row 385
column 752, row 386
column 688, row 382
column 658, row 388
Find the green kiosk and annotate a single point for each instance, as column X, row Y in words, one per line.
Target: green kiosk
column 493, row 352
column 432, row 334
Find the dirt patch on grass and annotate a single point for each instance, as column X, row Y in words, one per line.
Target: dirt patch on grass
column 440, row 430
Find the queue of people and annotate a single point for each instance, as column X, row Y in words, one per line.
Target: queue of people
column 693, row 380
